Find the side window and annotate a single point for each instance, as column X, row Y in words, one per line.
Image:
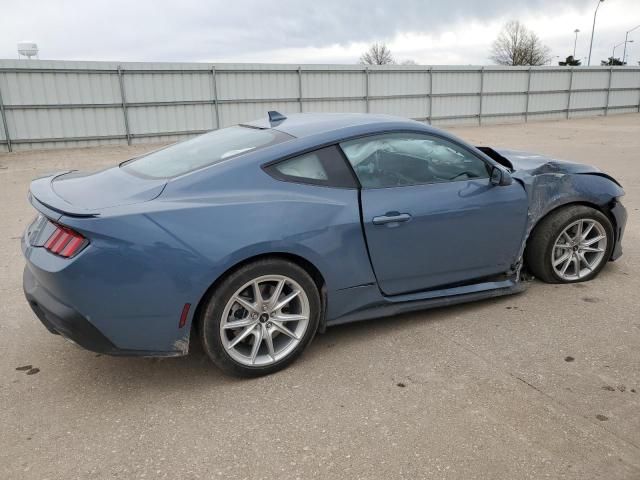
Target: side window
column 401, row 159
column 326, row 166
column 306, row 166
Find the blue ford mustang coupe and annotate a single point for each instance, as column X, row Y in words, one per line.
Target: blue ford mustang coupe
column 255, row 237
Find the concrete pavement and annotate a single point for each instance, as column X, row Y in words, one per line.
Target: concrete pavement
column 542, row 384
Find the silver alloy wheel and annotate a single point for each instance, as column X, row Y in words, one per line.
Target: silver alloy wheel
column 579, row 249
column 264, row 320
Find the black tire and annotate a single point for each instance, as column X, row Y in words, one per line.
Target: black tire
column 542, row 240
column 218, row 299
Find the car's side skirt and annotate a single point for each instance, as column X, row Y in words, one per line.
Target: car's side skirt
column 387, row 306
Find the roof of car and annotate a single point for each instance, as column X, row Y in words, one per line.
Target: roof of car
column 306, row 124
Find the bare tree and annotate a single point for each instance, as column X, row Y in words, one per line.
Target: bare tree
column 378, row 54
column 408, row 61
column 517, row 45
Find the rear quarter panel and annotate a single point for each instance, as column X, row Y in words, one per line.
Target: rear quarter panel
column 248, row 213
column 146, row 261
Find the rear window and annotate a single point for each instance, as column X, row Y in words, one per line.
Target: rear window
column 203, row 151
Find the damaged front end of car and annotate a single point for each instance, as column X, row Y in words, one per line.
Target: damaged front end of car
column 552, row 183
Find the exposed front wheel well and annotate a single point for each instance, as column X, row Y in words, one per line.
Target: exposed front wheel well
column 576, row 250
column 605, row 210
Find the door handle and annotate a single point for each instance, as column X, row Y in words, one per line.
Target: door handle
column 391, row 217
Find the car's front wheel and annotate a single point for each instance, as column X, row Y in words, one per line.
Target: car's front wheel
column 570, row 245
column 261, row 317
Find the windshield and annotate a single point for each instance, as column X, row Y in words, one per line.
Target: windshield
column 203, row 150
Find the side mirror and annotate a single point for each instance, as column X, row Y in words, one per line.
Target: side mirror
column 500, row 177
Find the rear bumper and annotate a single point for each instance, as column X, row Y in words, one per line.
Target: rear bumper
column 63, row 320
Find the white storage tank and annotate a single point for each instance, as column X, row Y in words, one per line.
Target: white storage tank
column 28, row 49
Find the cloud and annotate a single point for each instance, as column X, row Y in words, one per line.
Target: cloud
column 299, row 31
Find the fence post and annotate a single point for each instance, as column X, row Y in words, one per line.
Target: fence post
column 430, row 96
column 4, row 123
column 215, row 95
column 526, row 105
column 300, row 87
column 123, row 97
column 638, row 94
column 481, row 92
column 638, row 97
column 606, row 107
column 569, row 94
column 366, row 87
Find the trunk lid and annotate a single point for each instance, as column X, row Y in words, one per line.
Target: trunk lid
column 86, row 194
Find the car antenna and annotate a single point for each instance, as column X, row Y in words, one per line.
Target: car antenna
column 275, row 116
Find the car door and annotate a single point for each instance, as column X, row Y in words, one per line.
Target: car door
column 431, row 216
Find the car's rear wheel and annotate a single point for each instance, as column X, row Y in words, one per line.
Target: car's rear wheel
column 570, row 245
column 261, row 318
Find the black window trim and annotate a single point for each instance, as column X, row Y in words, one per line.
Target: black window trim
column 478, row 154
column 276, row 174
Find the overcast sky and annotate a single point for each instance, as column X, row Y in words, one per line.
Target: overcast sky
column 319, row 31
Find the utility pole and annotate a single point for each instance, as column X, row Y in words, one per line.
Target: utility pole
column 624, row 55
column 613, row 52
column 592, row 30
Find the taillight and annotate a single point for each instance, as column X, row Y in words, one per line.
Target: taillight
column 65, row 242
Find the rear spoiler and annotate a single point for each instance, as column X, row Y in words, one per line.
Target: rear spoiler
column 45, row 200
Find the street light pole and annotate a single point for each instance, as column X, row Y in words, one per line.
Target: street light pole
column 592, row 30
column 576, row 31
column 624, row 55
column 613, row 53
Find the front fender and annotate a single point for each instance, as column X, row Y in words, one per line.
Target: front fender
column 550, row 191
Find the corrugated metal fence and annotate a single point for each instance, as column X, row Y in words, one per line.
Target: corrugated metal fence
column 45, row 104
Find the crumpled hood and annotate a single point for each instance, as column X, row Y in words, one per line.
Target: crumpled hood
column 536, row 164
